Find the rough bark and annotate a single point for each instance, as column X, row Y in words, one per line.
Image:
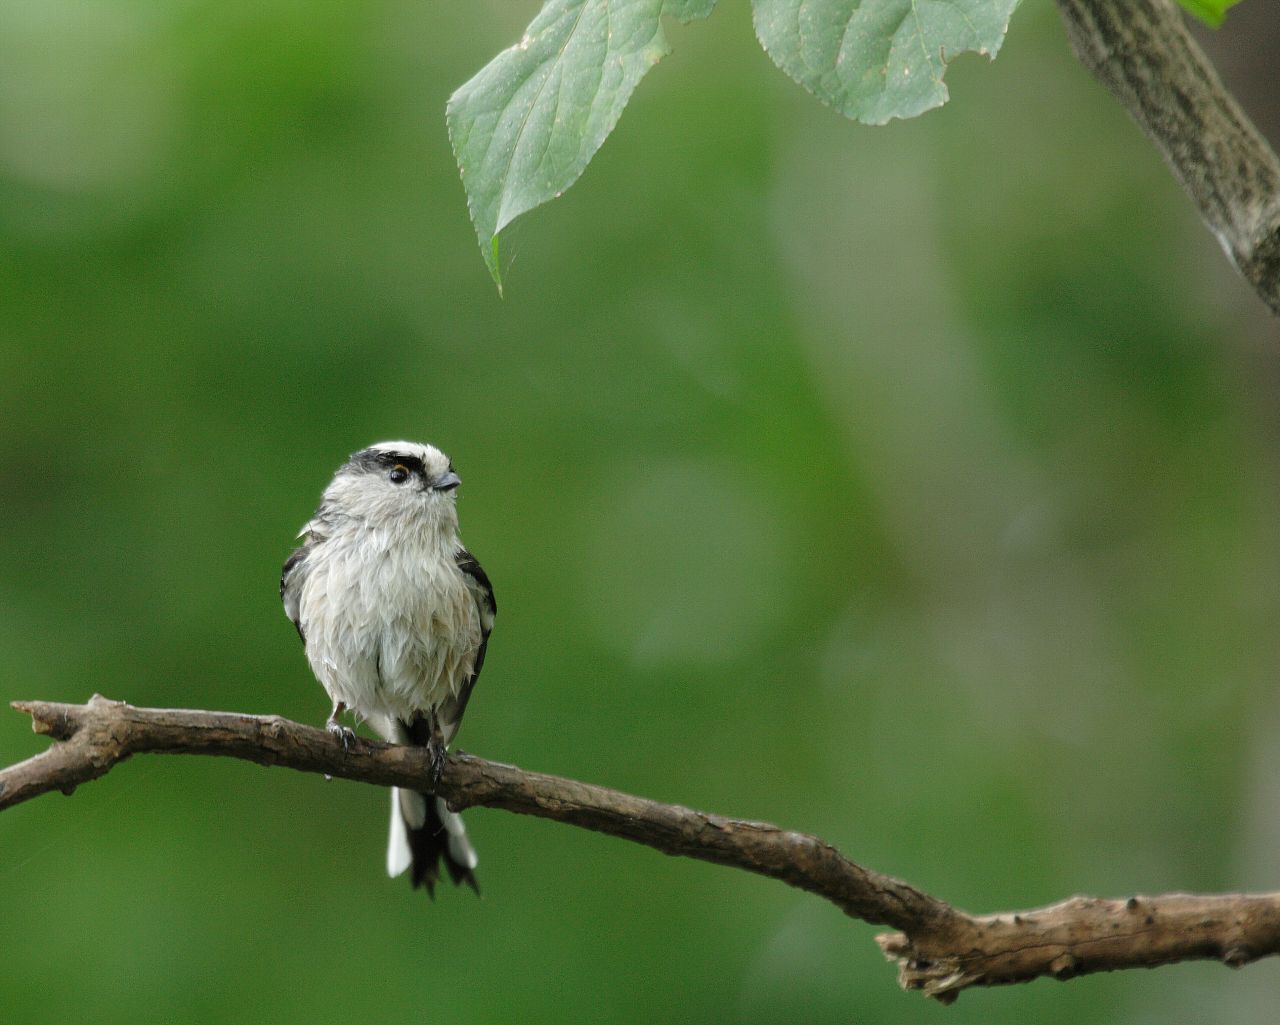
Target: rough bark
column 1142, row 52
column 939, row 949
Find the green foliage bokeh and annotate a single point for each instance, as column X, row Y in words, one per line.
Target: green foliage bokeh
column 1211, row 12
column 913, row 486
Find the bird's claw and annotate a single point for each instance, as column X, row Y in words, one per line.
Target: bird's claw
column 435, row 758
column 345, row 734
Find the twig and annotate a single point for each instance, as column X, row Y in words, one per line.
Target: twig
column 939, row 949
column 1142, row 52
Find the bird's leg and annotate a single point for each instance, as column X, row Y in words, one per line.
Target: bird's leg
column 435, row 752
column 344, row 733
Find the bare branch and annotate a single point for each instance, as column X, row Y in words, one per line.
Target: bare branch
column 1142, row 52
column 98, row 735
column 1085, row 935
column 939, row 949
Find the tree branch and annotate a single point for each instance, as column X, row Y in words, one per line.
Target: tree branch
column 939, row 949
column 1142, row 52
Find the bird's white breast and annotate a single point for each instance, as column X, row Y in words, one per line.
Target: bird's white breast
column 390, row 627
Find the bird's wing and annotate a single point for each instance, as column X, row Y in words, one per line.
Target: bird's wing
column 450, row 712
column 292, row 576
column 482, row 591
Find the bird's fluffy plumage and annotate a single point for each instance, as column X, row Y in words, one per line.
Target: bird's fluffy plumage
column 395, row 616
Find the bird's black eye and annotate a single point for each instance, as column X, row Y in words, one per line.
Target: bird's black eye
column 399, row 474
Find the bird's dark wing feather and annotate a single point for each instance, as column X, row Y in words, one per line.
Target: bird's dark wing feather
column 482, row 591
column 291, row 578
column 451, row 711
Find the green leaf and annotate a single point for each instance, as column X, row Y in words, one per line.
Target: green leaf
column 874, row 60
column 1211, row 12
column 526, row 126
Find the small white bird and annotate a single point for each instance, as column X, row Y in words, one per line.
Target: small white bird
column 395, row 616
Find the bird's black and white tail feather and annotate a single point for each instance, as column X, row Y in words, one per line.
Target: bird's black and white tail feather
column 425, row 833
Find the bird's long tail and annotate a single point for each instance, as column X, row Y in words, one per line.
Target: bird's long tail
column 425, row 833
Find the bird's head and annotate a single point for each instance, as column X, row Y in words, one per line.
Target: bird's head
column 396, row 483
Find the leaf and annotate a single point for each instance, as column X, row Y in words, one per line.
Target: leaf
column 526, row 126
column 1211, row 12
column 874, row 60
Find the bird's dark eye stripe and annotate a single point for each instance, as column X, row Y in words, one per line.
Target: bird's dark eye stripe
column 371, row 460
column 390, row 460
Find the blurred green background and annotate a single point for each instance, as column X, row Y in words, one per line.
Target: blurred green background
column 914, row 486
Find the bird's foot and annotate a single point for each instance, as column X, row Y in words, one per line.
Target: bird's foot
column 344, row 733
column 435, row 756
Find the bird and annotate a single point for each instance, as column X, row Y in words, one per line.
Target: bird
column 395, row 615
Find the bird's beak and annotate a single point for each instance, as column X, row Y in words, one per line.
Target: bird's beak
column 446, row 482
